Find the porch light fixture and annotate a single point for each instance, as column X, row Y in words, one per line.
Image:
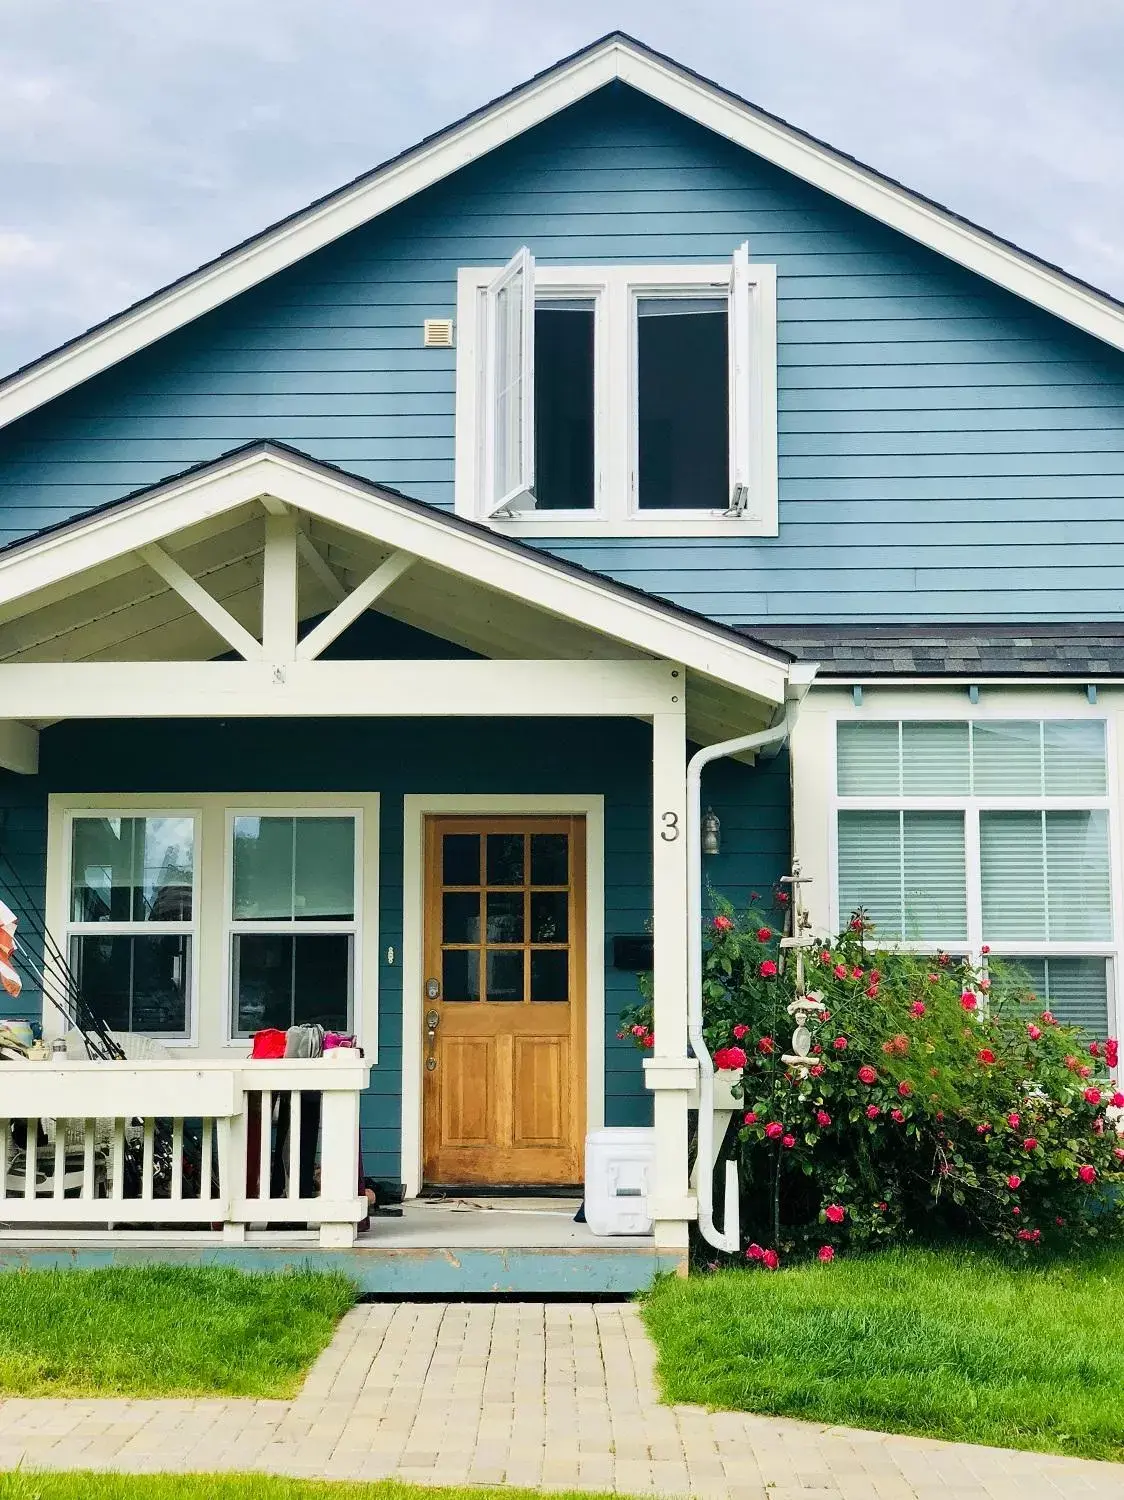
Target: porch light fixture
column 711, row 832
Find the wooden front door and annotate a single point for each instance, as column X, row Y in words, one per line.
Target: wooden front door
column 504, row 1001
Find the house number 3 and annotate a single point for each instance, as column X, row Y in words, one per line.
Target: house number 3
column 670, row 830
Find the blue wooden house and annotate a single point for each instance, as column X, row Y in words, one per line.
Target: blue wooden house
column 366, row 591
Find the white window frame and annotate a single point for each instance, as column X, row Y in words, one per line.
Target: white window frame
column 234, row 927
column 211, row 901
column 615, row 291
column 71, row 929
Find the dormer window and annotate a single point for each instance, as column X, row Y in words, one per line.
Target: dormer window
column 618, row 400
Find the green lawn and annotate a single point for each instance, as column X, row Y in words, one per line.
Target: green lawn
column 88, row 1486
column 164, row 1331
column 950, row 1344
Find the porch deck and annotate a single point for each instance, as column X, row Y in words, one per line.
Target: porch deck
column 448, row 1247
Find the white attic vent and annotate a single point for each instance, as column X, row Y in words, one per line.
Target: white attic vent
column 438, row 333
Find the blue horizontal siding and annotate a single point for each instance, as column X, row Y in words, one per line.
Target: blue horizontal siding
column 932, row 428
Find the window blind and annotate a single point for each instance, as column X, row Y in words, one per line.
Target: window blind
column 1075, row 989
column 1045, row 875
column 907, row 870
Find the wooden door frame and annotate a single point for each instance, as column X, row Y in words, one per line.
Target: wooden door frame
column 416, row 807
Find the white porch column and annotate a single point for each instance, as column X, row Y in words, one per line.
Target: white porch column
column 669, row 1073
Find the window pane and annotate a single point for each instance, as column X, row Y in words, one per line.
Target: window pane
column 1075, row 989
column 683, row 404
column 934, row 759
column 263, row 869
column 1012, row 874
column 135, row 983
column 870, row 868
column 935, row 896
column 509, row 386
column 868, row 760
column 324, row 859
column 550, row 859
column 1075, row 757
column 1078, row 897
column 505, row 975
column 505, row 916
column 460, row 859
column 263, row 981
column 564, row 406
column 460, row 974
column 460, row 917
column 505, row 859
column 550, row 917
column 1007, row 758
column 550, row 974
column 132, row 869
column 322, row 980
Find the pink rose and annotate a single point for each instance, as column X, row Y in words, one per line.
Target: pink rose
column 933, row 978
column 767, row 968
column 872, row 991
column 735, row 1057
column 751, row 1117
column 1087, row 1174
column 1118, row 1100
column 985, row 949
column 1013, row 1120
column 840, row 971
column 1094, row 1049
column 1092, row 1096
column 968, row 1001
column 826, row 1254
column 771, row 1259
column 774, row 1131
column 897, row 1117
column 872, row 1111
column 816, row 1070
column 1112, row 1052
column 823, row 1119
column 825, row 957
column 766, row 1046
column 1033, row 1031
column 835, row 1213
column 764, row 934
column 840, row 1044
column 917, row 1008
column 788, row 1142
column 1031, row 1143
column 1047, row 1018
column 983, row 1129
column 905, row 1088
column 1014, row 1181
column 867, row 1074
column 722, row 924
column 740, row 1030
column 755, row 1252
column 882, row 1207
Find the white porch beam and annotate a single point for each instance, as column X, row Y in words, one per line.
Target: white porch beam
column 310, row 553
column 279, row 588
column 362, row 597
column 204, row 604
column 264, row 689
column 19, row 747
column 670, row 1073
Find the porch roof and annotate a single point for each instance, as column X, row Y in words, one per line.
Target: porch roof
column 181, row 571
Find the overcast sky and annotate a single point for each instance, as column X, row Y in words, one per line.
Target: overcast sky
column 140, row 137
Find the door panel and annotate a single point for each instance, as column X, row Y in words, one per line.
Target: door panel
column 504, row 1084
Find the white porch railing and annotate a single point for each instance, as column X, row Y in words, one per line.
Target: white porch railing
column 175, row 1143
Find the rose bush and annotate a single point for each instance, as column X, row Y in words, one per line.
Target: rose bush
column 941, row 1098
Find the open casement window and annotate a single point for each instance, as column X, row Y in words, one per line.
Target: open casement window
column 741, row 378
column 509, row 388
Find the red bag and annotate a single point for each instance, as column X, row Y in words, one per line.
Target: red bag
column 268, row 1043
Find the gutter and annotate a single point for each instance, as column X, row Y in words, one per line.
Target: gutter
column 728, row 1238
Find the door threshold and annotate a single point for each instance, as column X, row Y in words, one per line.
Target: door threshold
column 503, row 1190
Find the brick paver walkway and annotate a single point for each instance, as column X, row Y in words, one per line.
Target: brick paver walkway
column 560, row 1395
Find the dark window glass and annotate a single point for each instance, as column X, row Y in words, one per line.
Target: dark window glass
column 549, row 916
column 505, row 917
column 135, row 983
column 461, row 917
column 683, row 404
column 505, row 859
column 550, row 863
column 564, row 406
column 282, row 980
column 550, row 973
column 460, row 859
column 505, row 975
column 460, row 974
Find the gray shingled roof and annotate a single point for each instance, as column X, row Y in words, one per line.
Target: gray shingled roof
column 1094, row 650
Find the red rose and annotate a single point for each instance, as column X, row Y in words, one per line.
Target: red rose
column 826, row 1254
column 872, row 991
column 740, row 1030
column 722, row 924
column 1087, row 1174
column 1118, row 1100
column 867, row 1074
column 840, row 971
column 875, row 975
column 968, row 1001
column 933, row 978
column 751, row 1117
column 773, row 1130
column 942, row 959
column 735, row 1057
column 855, row 924
column 1112, row 1052
column 771, row 1259
column 721, row 1058
column 1094, row 1049
column 766, row 1046
column 1047, row 1018
column 1013, row 1120
column 983, row 1129
column 1013, row 1181
column 1092, row 1096
column 1032, row 1236
column 823, row 1119
column 764, row 934
column 1033, row 1031
column 788, row 1142
column 881, row 1207
column 917, row 1008
column 825, row 957
column 905, row 1088
column 872, row 1111
column 897, row 1117
column 649, row 1040
column 835, row 1213
column 816, row 1070
column 1030, row 1144
column 1084, row 1072
column 840, row 1044
column 1118, row 1152
column 986, row 1055
column 755, row 1252
column 985, row 949
column 856, row 972
column 767, row 968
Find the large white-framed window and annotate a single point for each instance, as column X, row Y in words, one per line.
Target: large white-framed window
column 985, row 833
column 131, row 928
column 301, row 901
column 618, row 400
column 294, row 882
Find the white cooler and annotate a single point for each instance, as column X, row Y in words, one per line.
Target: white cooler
column 618, row 1177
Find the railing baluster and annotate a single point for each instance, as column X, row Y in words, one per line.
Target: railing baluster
column 265, row 1141
column 31, row 1158
column 117, row 1190
column 60, row 1157
column 205, row 1160
column 89, row 1181
column 295, row 1100
column 148, row 1158
column 177, row 1161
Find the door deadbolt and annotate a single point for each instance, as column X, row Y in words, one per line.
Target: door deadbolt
column 433, row 989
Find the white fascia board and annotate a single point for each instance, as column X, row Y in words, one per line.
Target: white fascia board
column 692, row 97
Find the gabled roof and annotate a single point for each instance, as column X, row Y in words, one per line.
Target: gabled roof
column 616, row 57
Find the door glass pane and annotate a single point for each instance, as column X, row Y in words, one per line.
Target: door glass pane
column 505, row 917
column 683, row 403
column 868, row 760
column 324, row 875
column 132, row 869
column 460, row 859
column 1074, row 752
column 1007, row 758
column 135, row 983
column 505, row 859
column 460, row 917
column 549, row 916
column 263, row 869
column 564, row 405
column 460, row 974
column 505, row 975
column 550, row 858
column 550, row 972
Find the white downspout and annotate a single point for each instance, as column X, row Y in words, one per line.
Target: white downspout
column 729, row 1238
